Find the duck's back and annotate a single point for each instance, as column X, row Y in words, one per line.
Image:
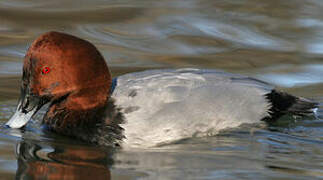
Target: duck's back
column 165, row 105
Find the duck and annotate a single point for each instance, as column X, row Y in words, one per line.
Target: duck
column 139, row 109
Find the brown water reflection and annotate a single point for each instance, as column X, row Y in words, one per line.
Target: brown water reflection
column 41, row 161
column 277, row 41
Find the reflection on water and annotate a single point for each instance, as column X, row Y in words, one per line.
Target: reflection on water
column 43, row 161
column 297, row 76
column 250, row 152
column 276, row 41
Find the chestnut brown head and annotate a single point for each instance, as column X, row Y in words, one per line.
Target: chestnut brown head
column 60, row 67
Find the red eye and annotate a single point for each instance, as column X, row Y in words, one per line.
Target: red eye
column 45, row 70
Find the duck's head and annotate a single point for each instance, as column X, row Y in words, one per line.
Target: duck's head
column 65, row 71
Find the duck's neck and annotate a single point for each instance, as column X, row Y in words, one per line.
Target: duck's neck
column 86, row 116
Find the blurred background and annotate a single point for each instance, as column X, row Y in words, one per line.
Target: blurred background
column 279, row 41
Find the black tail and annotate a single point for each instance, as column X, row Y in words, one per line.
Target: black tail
column 283, row 103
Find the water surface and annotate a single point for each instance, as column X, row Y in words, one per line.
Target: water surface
column 277, row 41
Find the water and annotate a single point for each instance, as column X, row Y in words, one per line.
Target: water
column 277, row 41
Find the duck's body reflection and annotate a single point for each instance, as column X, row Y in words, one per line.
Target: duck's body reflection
column 47, row 161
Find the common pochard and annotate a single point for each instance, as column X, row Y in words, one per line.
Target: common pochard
column 138, row 109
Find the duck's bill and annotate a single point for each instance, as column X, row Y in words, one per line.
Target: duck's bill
column 20, row 118
column 28, row 106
